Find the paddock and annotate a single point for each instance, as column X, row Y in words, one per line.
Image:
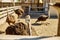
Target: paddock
column 39, row 29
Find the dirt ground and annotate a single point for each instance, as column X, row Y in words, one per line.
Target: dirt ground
column 39, row 29
column 48, row 28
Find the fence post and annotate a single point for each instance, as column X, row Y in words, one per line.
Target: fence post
column 7, row 9
column 29, row 9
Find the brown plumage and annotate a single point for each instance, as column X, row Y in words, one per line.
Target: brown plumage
column 19, row 12
column 42, row 18
column 10, row 19
column 17, row 29
column 21, row 9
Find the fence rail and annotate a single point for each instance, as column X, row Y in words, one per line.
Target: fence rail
column 3, row 12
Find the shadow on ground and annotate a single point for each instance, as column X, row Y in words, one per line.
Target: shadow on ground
column 37, row 24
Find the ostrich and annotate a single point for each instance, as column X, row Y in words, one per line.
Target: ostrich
column 42, row 18
column 10, row 19
column 19, row 12
column 17, row 29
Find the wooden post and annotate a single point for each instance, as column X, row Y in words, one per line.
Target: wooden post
column 27, row 20
column 49, row 12
column 13, row 3
column 38, row 4
column 46, row 6
column 1, row 3
column 58, row 29
column 29, row 9
column 7, row 10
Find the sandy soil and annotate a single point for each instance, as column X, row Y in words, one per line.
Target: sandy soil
column 39, row 29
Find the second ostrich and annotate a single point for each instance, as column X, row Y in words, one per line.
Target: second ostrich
column 42, row 18
column 19, row 12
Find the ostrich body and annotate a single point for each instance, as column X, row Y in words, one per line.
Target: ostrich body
column 17, row 29
column 10, row 19
column 42, row 18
